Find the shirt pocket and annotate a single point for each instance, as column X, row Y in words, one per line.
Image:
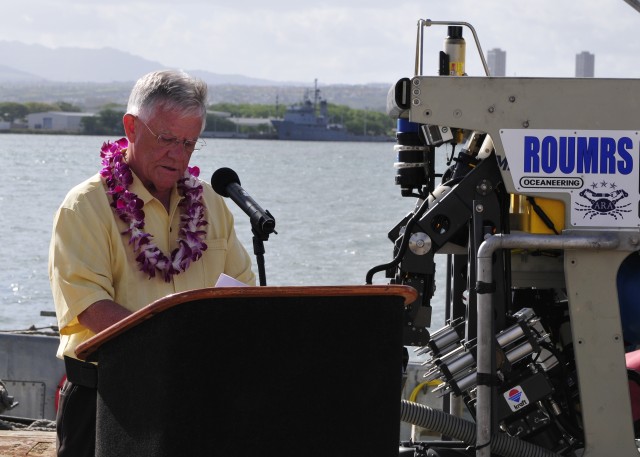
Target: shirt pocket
column 213, row 259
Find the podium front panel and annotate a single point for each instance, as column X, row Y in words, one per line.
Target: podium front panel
column 273, row 376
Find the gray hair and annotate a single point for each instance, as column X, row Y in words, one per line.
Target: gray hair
column 169, row 90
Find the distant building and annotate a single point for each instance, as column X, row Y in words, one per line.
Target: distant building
column 497, row 61
column 56, row 121
column 585, row 64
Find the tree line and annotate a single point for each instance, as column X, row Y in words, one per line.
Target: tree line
column 108, row 121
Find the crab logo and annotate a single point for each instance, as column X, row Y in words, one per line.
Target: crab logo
column 603, row 203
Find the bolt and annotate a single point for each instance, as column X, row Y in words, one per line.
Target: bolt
column 512, row 98
column 479, row 208
column 525, row 124
column 484, row 187
column 491, row 109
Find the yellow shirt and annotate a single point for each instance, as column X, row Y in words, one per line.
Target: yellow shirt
column 90, row 260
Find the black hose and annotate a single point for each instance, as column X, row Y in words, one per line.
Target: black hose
column 463, row 430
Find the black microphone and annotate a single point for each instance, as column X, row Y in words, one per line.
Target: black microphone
column 225, row 182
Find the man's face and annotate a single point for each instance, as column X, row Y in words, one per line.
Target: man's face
column 162, row 148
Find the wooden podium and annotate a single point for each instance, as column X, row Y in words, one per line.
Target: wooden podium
column 254, row 371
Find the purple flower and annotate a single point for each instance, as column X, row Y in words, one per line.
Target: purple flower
column 129, row 208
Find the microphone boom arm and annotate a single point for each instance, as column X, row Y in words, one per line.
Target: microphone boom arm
column 261, row 228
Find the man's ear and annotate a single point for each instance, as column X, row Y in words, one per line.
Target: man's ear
column 128, row 121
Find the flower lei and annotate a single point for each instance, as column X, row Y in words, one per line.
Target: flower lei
column 128, row 207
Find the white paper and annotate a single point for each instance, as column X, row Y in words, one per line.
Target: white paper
column 227, row 281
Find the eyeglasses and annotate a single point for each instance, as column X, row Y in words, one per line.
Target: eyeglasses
column 167, row 141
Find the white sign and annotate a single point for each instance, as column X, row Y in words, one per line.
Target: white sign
column 597, row 168
column 516, row 398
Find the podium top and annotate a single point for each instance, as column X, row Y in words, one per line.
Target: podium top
column 87, row 348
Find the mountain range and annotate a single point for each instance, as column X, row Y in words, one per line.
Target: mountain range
column 36, row 63
column 91, row 78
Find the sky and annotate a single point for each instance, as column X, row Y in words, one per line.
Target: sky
column 337, row 41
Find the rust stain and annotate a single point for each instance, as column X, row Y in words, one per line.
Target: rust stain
column 42, row 449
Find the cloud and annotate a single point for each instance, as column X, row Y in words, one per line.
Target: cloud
column 336, row 41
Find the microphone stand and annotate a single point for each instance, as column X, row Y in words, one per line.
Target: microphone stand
column 261, row 234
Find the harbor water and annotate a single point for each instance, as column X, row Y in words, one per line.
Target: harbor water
column 333, row 202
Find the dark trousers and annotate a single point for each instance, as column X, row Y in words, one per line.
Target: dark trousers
column 76, row 416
